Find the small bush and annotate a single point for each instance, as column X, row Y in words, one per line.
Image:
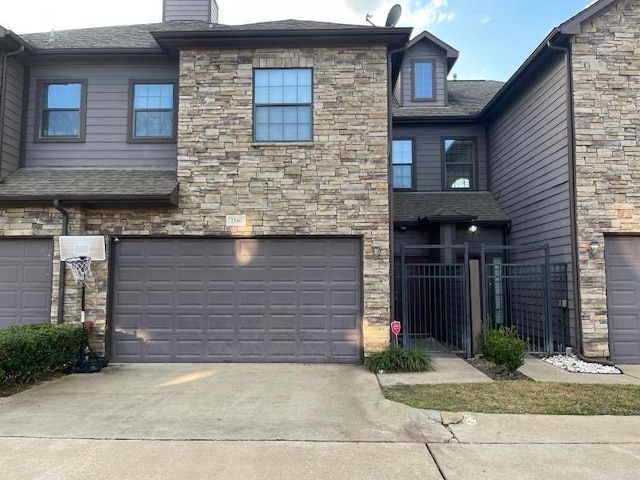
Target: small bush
column 27, row 351
column 397, row 359
column 503, row 347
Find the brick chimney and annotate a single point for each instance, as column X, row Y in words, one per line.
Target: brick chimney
column 203, row 10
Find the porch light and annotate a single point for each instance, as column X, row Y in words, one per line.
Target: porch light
column 594, row 246
column 473, row 228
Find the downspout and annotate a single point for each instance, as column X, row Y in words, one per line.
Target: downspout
column 392, row 290
column 61, row 282
column 572, row 193
column 3, row 98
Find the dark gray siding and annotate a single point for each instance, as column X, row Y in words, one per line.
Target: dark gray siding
column 12, row 118
column 484, row 235
column 529, row 166
column 428, row 154
column 107, row 111
column 203, row 10
column 427, row 51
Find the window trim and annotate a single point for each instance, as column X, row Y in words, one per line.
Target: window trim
column 413, row 164
column 474, row 163
column 434, row 95
column 40, row 84
column 131, row 111
column 254, row 105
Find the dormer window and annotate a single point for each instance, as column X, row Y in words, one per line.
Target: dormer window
column 424, row 84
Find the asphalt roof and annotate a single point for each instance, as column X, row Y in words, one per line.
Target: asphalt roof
column 415, row 206
column 89, row 184
column 139, row 36
column 467, row 98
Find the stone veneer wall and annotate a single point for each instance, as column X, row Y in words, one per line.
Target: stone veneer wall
column 335, row 185
column 606, row 79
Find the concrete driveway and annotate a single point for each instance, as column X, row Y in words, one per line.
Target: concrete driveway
column 234, row 420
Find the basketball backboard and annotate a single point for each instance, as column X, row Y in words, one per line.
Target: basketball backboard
column 72, row 246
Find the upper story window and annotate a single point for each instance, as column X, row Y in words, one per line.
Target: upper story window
column 61, row 110
column 282, row 104
column 424, row 84
column 402, row 155
column 152, row 112
column 459, row 163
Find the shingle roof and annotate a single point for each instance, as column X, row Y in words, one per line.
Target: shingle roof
column 466, row 98
column 479, row 206
column 139, row 36
column 89, row 185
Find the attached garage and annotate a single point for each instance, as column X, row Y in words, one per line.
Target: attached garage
column 25, row 281
column 237, row 300
column 622, row 256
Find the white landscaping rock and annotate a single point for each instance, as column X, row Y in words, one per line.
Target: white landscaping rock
column 572, row 363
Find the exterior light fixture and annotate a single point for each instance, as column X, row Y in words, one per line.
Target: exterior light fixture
column 473, row 228
column 594, row 246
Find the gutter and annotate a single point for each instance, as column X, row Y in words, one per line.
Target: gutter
column 3, row 98
column 572, row 192
column 392, row 296
column 61, row 282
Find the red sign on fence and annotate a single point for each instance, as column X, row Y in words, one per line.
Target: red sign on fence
column 395, row 327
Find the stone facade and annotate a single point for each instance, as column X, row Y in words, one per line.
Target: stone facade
column 606, row 81
column 334, row 186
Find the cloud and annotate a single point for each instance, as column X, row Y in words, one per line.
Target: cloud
column 360, row 6
column 485, row 20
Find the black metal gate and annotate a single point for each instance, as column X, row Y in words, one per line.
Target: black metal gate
column 519, row 286
column 432, row 298
column 522, row 288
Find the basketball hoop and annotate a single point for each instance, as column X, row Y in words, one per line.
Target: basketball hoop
column 80, row 268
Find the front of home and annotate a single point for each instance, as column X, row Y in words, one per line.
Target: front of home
column 256, row 208
column 239, row 175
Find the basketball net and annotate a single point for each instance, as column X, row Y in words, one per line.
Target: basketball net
column 80, row 268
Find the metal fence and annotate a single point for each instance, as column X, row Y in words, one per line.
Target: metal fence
column 432, row 298
column 432, row 290
column 531, row 295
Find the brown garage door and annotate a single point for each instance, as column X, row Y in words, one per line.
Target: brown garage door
column 25, row 281
column 224, row 300
column 622, row 256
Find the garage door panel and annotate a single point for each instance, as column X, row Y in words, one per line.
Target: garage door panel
column 25, row 281
column 622, row 255
column 9, row 274
column 238, row 300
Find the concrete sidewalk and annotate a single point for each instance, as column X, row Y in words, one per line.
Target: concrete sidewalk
column 450, row 368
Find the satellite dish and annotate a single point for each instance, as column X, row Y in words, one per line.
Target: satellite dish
column 394, row 16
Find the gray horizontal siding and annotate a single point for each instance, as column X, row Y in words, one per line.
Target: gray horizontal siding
column 425, row 51
column 529, row 163
column 12, row 118
column 428, row 145
column 528, row 159
column 106, row 123
column 187, row 10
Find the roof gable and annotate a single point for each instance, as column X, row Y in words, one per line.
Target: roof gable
column 450, row 52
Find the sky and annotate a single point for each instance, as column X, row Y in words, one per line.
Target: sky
column 494, row 37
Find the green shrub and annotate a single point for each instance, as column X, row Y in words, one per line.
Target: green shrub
column 397, row 359
column 503, row 347
column 27, row 351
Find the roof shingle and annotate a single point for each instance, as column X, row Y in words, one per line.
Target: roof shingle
column 467, row 98
column 89, row 184
column 414, row 206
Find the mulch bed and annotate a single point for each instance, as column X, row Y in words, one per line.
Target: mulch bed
column 491, row 371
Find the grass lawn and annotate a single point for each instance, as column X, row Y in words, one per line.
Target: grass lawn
column 521, row 397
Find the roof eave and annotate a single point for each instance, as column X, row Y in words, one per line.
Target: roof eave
column 128, row 200
column 98, row 52
column 413, row 120
column 174, row 41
